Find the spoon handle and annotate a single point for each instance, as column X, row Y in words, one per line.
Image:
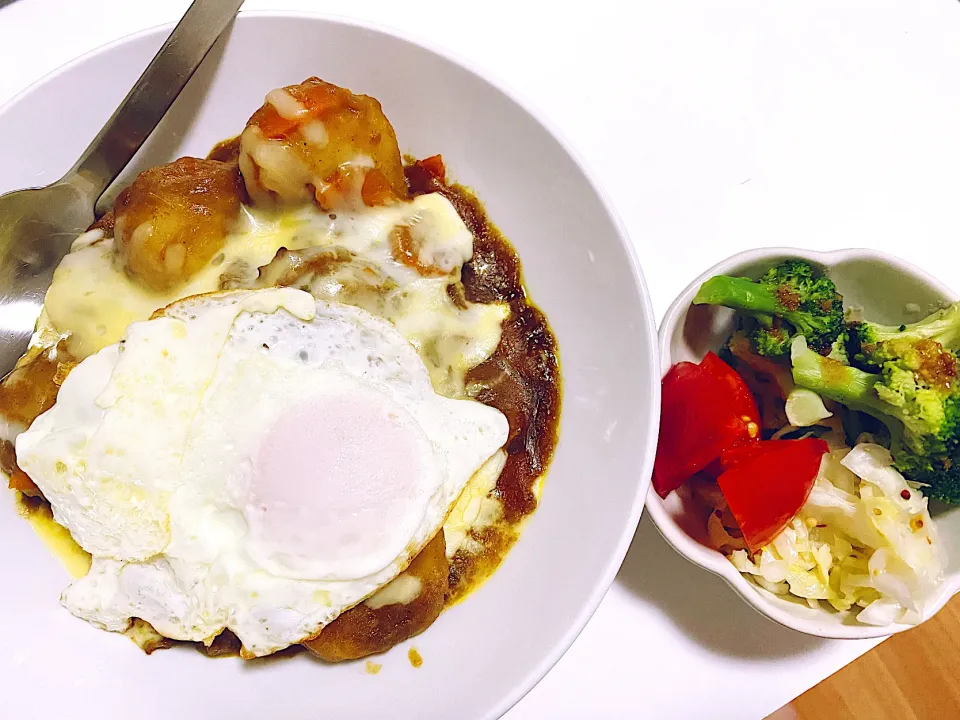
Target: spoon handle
column 151, row 96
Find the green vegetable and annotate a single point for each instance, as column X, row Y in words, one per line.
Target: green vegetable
column 920, row 408
column 771, row 342
column 838, row 350
column 868, row 339
column 788, row 300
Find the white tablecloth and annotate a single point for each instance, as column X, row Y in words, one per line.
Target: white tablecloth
column 716, row 126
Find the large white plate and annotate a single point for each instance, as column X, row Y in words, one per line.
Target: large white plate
column 482, row 655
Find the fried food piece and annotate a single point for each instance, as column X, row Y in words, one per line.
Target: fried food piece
column 19, row 480
column 173, row 219
column 226, row 644
column 25, row 394
column 363, row 631
column 321, row 142
column 226, row 150
column 32, row 387
column 104, row 223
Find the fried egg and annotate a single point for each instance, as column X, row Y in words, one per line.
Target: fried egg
column 258, row 461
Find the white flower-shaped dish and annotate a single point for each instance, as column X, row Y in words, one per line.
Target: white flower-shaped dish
column 887, row 287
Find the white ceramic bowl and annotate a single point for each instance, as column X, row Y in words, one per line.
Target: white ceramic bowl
column 884, row 285
column 485, row 653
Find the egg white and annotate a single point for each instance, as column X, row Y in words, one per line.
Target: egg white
column 146, row 458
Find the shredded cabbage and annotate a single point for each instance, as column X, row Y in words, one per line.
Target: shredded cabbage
column 864, row 541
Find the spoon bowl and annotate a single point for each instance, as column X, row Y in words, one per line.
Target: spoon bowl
column 37, row 227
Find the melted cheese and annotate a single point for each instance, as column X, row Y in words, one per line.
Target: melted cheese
column 286, row 105
column 402, row 590
column 58, row 540
column 146, row 638
column 476, row 508
column 315, row 133
column 92, row 299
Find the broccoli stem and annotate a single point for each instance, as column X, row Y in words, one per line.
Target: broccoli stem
column 926, row 455
column 739, row 294
column 841, row 383
column 846, row 385
column 755, row 299
column 942, row 326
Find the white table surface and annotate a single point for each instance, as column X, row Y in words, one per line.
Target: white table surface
column 715, row 126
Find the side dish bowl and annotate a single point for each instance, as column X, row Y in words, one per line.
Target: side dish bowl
column 486, row 652
column 865, row 278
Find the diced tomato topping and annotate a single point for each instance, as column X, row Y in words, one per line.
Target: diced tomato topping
column 376, row 189
column 434, row 166
column 319, row 97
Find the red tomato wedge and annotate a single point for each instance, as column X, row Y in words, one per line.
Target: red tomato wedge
column 714, row 468
column 741, row 399
column 705, row 409
column 767, row 483
column 736, row 455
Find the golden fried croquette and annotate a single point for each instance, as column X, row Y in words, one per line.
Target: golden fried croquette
column 321, row 142
column 173, row 219
column 363, row 631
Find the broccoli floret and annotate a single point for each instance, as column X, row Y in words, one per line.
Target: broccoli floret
column 772, row 341
column 838, row 350
column 788, row 300
column 867, row 338
column 921, row 409
column 939, row 471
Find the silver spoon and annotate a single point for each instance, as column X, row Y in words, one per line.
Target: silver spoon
column 37, row 226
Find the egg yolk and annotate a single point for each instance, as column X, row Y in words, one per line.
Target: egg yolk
column 339, row 485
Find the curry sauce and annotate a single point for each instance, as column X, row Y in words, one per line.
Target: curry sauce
column 521, row 379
